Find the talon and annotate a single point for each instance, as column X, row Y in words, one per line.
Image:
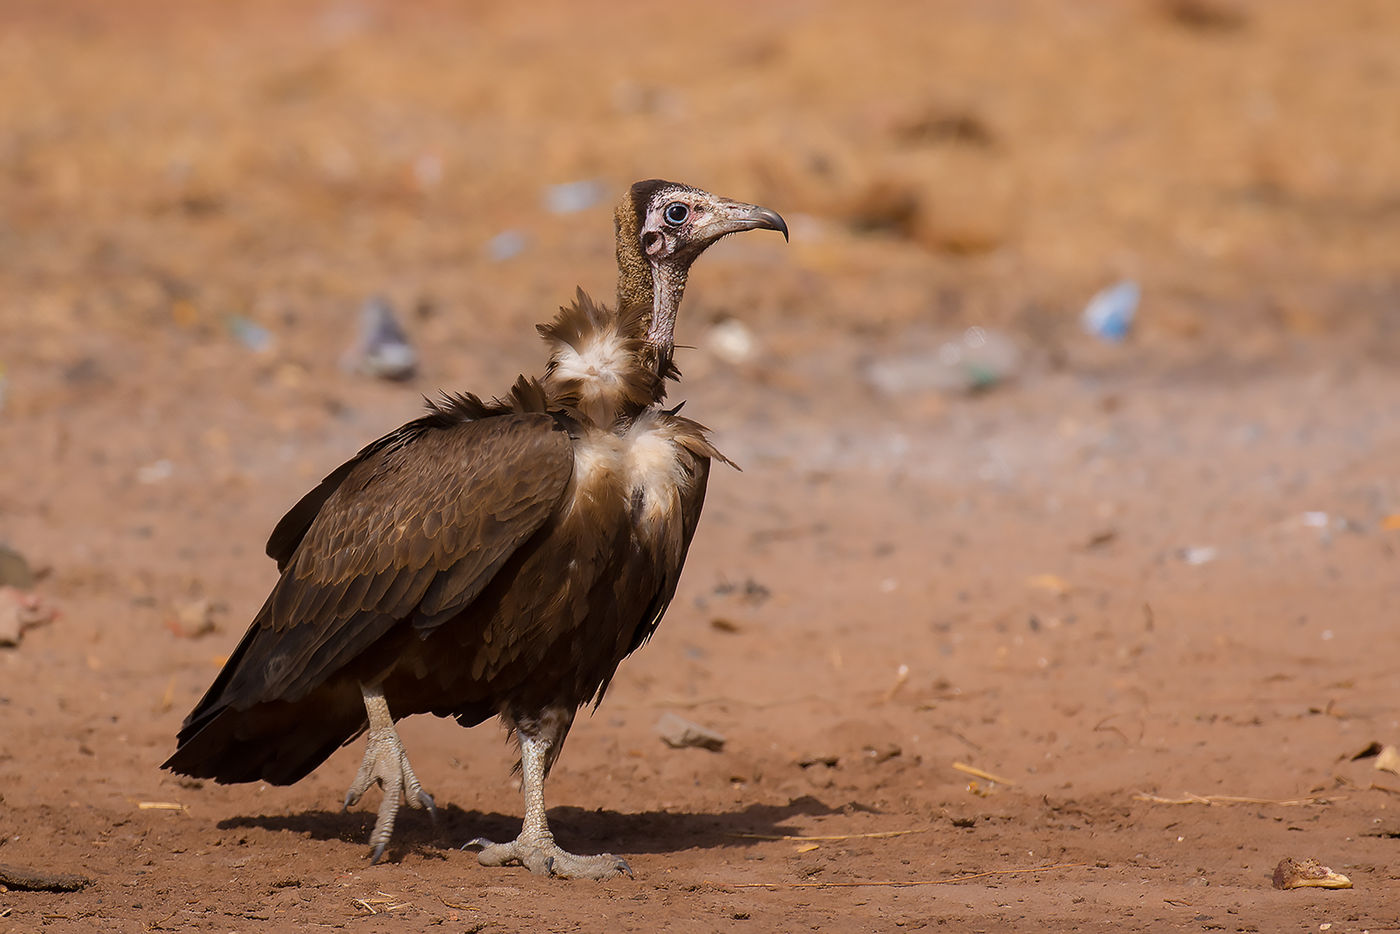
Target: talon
column 477, row 841
column 385, row 764
column 549, row 866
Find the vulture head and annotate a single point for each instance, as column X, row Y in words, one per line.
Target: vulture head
column 662, row 227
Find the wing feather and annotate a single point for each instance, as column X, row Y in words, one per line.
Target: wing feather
column 413, row 527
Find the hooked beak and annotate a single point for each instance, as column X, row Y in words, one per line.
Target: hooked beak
column 733, row 216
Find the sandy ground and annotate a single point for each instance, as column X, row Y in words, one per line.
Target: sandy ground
column 1160, row 568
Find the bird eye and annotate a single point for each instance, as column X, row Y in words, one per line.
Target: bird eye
column 676, row 213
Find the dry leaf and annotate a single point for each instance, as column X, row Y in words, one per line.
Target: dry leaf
column 1292, row 874
column 807, row 847
column 167, row 700
column 1373, row 748
column 1389, row 760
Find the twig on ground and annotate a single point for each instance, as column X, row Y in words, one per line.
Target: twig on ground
column 382, row 901
column 1237, row 799
column 948, row 881
column 978, row 773
column 901, row 677
column 840, row 836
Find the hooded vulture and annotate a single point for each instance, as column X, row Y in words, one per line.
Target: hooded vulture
column 489, row 558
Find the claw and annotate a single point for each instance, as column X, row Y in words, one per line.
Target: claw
column 386, row 765
column 543, row 857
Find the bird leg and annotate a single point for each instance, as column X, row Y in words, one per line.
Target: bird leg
column 386, row 765
column 535, row 848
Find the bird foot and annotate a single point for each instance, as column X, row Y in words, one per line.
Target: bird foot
column 386, row 765
column 543, row 857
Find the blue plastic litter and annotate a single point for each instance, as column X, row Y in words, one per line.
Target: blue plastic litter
column 1109, row 314
column 249, row 333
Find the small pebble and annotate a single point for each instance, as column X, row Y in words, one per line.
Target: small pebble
column 680, row 733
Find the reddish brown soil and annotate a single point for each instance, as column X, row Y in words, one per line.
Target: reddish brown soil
column 166, row 167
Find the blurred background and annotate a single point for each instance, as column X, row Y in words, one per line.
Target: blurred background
column 170, row 165
column 1076, row 377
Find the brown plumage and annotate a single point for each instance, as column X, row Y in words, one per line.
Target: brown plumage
column 487, row 558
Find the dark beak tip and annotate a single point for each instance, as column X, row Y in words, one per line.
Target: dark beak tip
column 774, row 221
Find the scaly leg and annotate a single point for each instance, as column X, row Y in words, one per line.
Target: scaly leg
column 385, row 764
column 535, row 848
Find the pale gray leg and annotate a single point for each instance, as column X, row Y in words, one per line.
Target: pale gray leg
column 386, row 765
column 535, row 848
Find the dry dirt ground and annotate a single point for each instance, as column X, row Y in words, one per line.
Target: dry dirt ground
column 1162, row 568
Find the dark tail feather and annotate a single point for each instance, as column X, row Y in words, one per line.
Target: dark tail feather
column 277, row 742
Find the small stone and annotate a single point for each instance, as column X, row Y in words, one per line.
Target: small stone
column 680, row 733
column 731, row 341
column 14, row 569
column 195, row 618
column 827, row 759
column 1197, row 555
column 249, row 333
column 507, row 244
column 382, row 349
column 20, row 610
column 881, row 752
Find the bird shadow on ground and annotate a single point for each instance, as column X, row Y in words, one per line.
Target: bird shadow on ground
column 586, row 831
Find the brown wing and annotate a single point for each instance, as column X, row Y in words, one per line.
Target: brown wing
column 452, row 410
column 411, row 533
